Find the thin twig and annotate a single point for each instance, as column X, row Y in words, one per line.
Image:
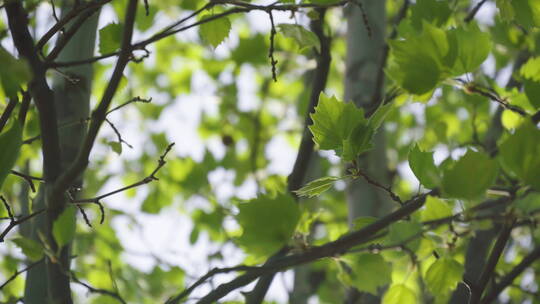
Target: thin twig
column 132, row 100
column 92, row 289
column 373, row 182
column 118, row 135
column 473, row 12
column 19, row 272
column 28, row 178
column 273, row 32
column 150, row 178
column 14, row 222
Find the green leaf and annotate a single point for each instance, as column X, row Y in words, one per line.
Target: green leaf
column 470, row 176
column 115, row 146
column 436, row 208
column 530, row 203
column 32, row 249
column 520, row 154
column 531, row 69
column 362, row 221
column 215, row 31
column 317, row 187
column 10, row 141
column 333, row 122
column 532, row 90
column 404, row 232
column 443, row 276
column 267, row 223
column 506, row 10
column 380, row 114
column 363, row 270
column 424, row 168
column 64, row 227
column 110, row 38
column 358, row 142
column 469, row 55
column 13, row 74
column 303, row 37
column 417, row 64
column 399, row 294
column 432, row 11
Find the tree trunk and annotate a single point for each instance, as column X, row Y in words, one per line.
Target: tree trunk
column 72, row 88
column 365, row 44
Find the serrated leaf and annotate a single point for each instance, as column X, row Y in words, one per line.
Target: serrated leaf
column 110, row 38
column 358, row 142
column 268, row 223
column 432, row 11
column 333, row 122
column 215, row 31
column 363, row 270
column 436, row 208
column 424, row 168
column 399, row 294
column 531, row 69
column 470, row 176
column 317, row 187
column 417, row 64
column 443, row 276
column 520, row 154
column 469, row 56
column 32, row 249
column 64, row 227
column 13, row 74
column 303, row 37
column 10, row 141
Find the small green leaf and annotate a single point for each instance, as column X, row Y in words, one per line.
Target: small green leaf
column 436, row 208
column 333, row 122
column 404, row 232
column 110, row 38
column 317, row 187
column 303, row 37
column 432, row 11
column 424, row 168
column 215, row 31
column 64, row 227
column 399, row 294
column 358, row 142
column 115, row 146
column 10, row 141
column 531, row 69
column 520, row 154
column 530, row 203
column 470, row 176
column 364, row 268
column 32, row 249
column 443, row 276
column 267, row 223
column 469, row 55
column 532, row 90
column 13, row 74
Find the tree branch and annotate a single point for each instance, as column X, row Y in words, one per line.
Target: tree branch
column 14, row 222
column 489, row 267
column 99, row 114
column 330, row 249
column 7, row 112
column 19, row 272
column 92, row 289
column 506, row 280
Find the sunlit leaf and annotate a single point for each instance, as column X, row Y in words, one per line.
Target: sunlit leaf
column 215, row 31
column 32, row 249
column 424, row 168
column 64, row 227
column 399, row 294
column 317, row 187
column 110, row 38
column 267, row 223
column 303, row 37
column 443, row 276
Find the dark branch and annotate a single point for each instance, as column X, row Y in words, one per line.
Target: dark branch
column 474, row 11
column 92, row 289
column 19, row 272
column 506, row 280
column 489, row 268
column 7, row 112
column 14, row 222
